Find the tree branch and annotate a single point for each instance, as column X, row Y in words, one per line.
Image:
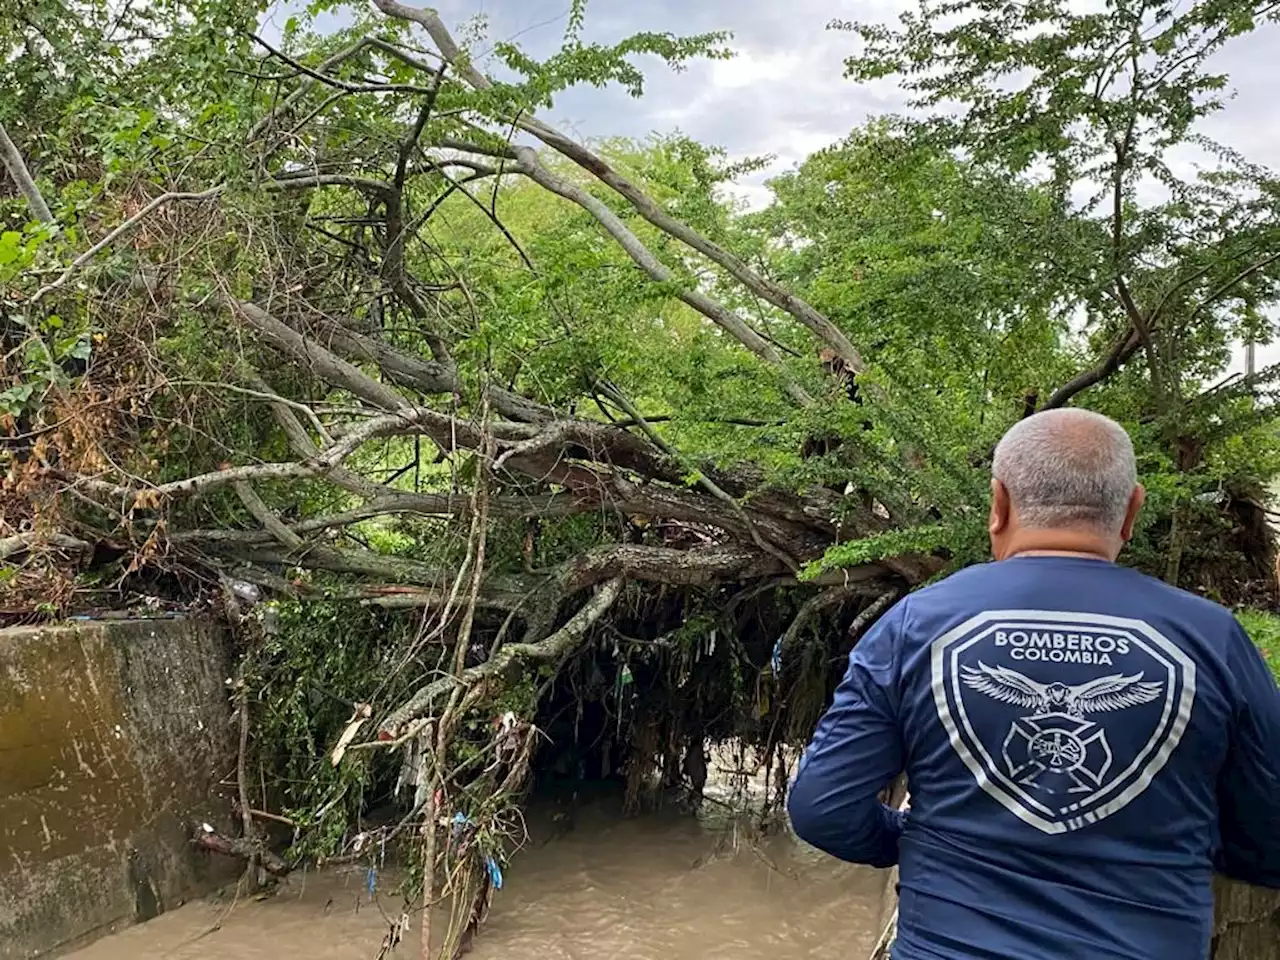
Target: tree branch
column 424, row 114
column 245, row 848
column 426, row 376
column 306, row 181
column 263, row 394
column 726, row 319
column 871, row 613
column 555, row 647
column 263, row 514
column 335, row 82
column 766, row 289
column 703, row 480
column 120, row 231
column 304, row 447
column 26, row 542
column 761, row 286
column 1131, row 340
column 314, row 357
column 1124, row 348
column 832, row 597
column 407, row 420
column 287, row 103
column 1223, row 289
column 17, row 167
column 1123, row 149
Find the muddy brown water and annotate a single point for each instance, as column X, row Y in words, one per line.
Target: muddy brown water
column 663, row 886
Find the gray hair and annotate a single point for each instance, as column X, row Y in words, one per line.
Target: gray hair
column 1067, row 468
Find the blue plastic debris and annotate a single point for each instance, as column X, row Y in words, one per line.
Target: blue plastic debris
column 775, row 660
column 371, row 881
column 495, row 872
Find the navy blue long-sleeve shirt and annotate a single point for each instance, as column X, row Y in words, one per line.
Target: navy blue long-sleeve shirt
column 1084, row 746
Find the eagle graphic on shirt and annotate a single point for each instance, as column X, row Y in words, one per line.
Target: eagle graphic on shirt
column 1114, row 692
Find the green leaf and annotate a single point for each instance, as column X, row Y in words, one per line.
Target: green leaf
column 14, row 399
column 82, row 348
column 10, row 246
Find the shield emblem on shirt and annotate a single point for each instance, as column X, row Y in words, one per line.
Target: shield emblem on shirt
column 1063, row 718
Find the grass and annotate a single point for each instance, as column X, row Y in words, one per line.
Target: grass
column 1264, row 628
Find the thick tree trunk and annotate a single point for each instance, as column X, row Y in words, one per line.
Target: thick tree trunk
column 1247, row 922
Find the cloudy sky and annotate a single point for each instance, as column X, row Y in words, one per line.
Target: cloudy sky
column 783, row 94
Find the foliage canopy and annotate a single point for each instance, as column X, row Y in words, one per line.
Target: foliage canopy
column 512, row 427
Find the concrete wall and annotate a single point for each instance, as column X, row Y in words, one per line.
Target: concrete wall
column 113, row 739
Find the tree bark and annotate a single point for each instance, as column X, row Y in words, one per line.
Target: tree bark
column 1246, row 922
column 17, row 167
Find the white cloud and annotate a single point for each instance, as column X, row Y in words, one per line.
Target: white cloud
column 754, row 67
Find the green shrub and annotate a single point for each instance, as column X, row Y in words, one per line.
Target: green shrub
column 1264, row 628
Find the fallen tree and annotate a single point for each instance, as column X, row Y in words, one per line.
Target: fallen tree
column 492, row 415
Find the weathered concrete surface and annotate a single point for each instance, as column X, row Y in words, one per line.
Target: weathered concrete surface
column 1247, row 922
column 114, row 737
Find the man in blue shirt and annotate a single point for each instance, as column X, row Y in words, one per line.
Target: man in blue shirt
column 1084, row 745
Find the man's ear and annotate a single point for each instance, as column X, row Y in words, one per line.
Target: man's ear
column 1136, row 500
column 998, row 521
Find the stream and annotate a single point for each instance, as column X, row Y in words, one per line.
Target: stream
column 661, row 886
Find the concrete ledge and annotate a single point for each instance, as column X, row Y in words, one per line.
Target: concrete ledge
column 114, row 737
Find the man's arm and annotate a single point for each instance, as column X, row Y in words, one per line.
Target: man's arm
column 856, row 751
column 1249, row 788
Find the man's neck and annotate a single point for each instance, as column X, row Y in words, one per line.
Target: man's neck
column 1060, row 543
column 1080, row 554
